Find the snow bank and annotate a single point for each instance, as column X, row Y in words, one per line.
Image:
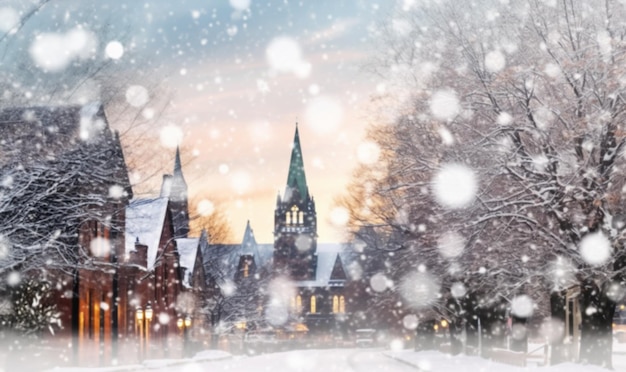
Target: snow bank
column 440, row 362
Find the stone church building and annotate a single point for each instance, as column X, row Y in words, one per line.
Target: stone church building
column 315, row 273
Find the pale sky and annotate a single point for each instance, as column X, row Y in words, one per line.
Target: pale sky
column 241, row 73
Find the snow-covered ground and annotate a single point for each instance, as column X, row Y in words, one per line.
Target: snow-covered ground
column 440, row 362
column 348, row 360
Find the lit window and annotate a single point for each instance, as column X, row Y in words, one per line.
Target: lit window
column 342, row 304
column 288, row 218
column 246, row 270
column 294, row 214
column 335, row 304
column 301, row 218
column 298, row 303
column 313, row 305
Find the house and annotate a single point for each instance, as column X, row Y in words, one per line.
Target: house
column 108, row 268
column 150, row 271
column 64, row 195
column 162, row 267
column 193, row 284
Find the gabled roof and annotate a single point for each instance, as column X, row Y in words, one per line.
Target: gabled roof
column 338, row 273
column 187, row 253
column 30, row 134
column 144, row 221
column 332, row 259
column 226, row 257
column 248, row 243
column 327, row 256
column 296, row 179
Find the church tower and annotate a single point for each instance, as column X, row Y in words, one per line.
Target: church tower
column 175, row 188
column 295, row 223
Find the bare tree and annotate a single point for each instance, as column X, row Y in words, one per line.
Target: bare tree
column 213, row 220
column 529, row 96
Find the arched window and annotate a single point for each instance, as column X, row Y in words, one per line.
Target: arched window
column 246, row 270
column 342, row 304
column 298, row 303
column 288, row 218
column 294, row 214
column 301, row 218
column 335, row 304
column 313, row 304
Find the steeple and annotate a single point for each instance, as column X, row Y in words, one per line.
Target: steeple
column 175, row 188
column 248, row 242
column 178, row 168
column 296, row 179
column 295, row 223
column 178, row 186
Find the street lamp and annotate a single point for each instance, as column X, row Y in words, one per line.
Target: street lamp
column 184, row 324
column 143, row 327
column 139, row 327
column 148, row 315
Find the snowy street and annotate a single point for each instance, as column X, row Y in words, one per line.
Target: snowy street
column 344, row 360
column 303, row 361
column 349, row 360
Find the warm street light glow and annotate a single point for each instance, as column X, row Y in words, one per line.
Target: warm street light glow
column 187, row 322
column 149, row 312
column 444, row 323
column 179, row 323
column 139, row 314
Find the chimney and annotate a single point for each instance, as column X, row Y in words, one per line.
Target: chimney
column 139, row 256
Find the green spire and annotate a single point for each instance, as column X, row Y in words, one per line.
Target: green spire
column 296, row 178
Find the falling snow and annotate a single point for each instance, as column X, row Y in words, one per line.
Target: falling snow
column 455, row 186
column 595, row 249
column 445, row 105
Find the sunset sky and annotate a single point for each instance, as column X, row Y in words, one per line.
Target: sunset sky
column 245, row 117
column 241, row 74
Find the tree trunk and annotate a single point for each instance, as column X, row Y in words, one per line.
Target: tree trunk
column 557, row 312
column 75, row 316
column 597, row 310
column 492, row 326
column 455, row 326
column 470, row 304
column 519, row 335
column 456, row 342
column 425, row 336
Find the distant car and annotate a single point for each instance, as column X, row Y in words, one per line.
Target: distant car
column 365, row 337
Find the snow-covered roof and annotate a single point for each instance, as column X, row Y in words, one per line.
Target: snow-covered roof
column 227, row 255
column 187, row 252
column 42, row 133
column 326, row 256
column 144, row 221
